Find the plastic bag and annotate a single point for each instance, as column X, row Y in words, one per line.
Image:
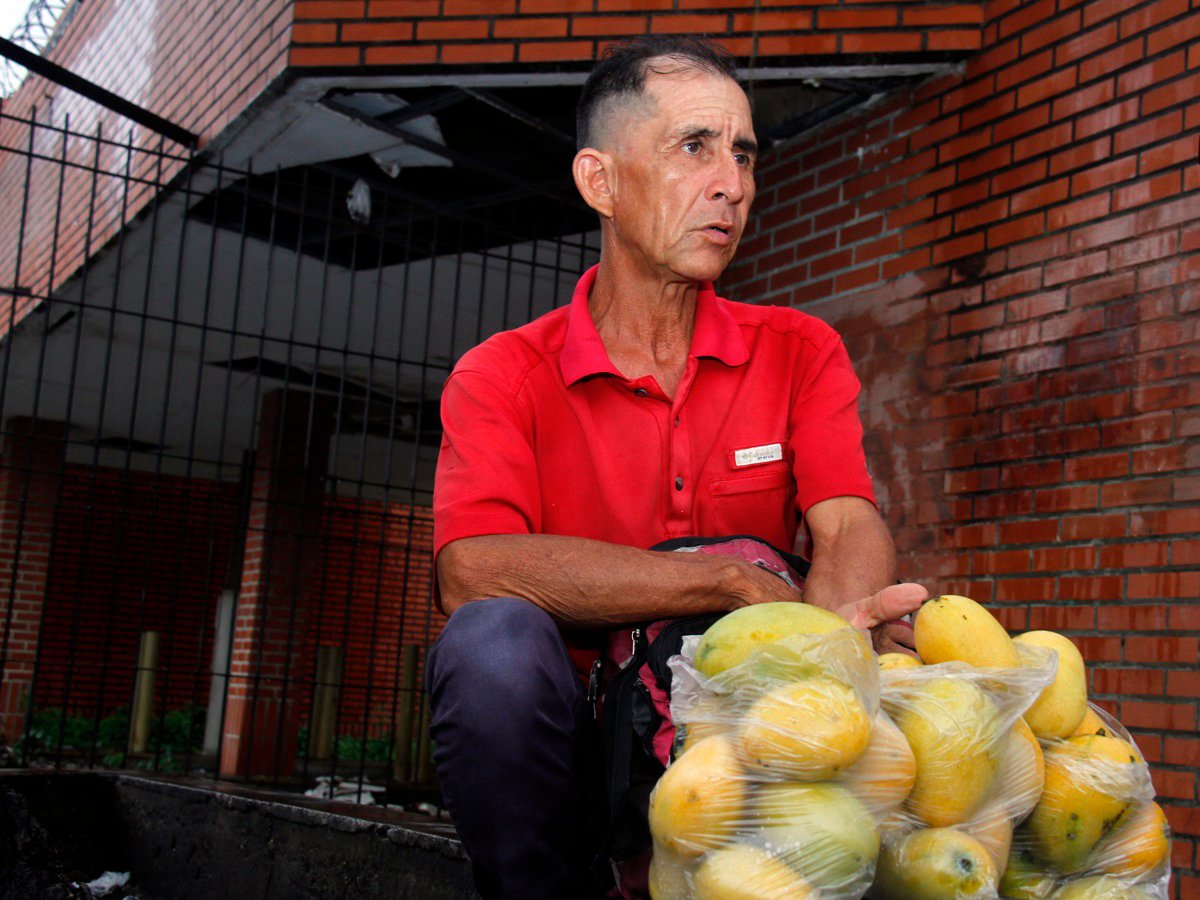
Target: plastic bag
column 779, row 779
column 1096, row 831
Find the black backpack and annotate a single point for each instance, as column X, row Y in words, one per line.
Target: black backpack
column 638, row 733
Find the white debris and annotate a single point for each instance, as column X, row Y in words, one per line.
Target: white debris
column 345, row 789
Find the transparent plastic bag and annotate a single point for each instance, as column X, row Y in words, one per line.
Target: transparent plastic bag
column 781, row 763
column 1096, row 832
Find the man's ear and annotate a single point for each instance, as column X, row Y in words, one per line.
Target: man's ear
column 596, row 179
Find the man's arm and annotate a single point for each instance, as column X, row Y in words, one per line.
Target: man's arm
column 853, row 557
column 586, row 583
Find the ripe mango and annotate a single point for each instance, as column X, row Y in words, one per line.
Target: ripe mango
column 698, row 802
column 1062, row 705
column 954, row 730
column 994, row 830
column 1140, row 844
column 1022, row 771
column 807, row 731
column 1091, row 724
column 822, row 831
column 1089, row 782
column 732, row 638
column 1024, row 877
column 889, row 661
column 742, row 872
column 935, row 864
column 951, row 627
column 883, row 777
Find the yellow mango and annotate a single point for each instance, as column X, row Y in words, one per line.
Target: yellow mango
column 742, row 872
column 950, row 627
column 935, row 864
column 954, row 730
column 1024, row 877
column 883, row 777
column 1140, row 844
column 1022, row 771
column 807, row 731
column 1091, row 724
column 698, row 802
column 1062, row 705
column 1089, row 780
column 821, row 830
column 890, row 661
column 732, row 638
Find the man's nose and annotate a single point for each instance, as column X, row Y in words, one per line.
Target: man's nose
column 728, row 181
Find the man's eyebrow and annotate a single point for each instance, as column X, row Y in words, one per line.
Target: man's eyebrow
column 746, row 145
column 693, row 132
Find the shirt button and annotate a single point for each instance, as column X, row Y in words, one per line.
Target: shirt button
column 642, row 392
column 679, row 482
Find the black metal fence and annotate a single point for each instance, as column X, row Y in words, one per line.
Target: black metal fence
column 218, row 404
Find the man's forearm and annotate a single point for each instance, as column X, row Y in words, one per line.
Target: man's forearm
column 853, row 557
column 586, row 583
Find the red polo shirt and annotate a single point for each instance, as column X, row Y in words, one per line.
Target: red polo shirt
column 542, row 434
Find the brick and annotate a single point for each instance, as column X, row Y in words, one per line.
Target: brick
column 952, row 40
column 1036, row 306
column 1021, row 229
column 1049, row 86
column 772, row 21
column 401, row 55
column 1133, row 556
column 527, row 26
column 1149, row 190
column 1119, row 57
column 1087, row 154
column 1094, row 527
column 683, row 24
column 607, row 25
column 880, row 42
column 1178, row 152
column 478, row 7
column 1086, row 44
column 492, row 51
column 1053, row 32
column 1165, row 38
column 330, row 9
column 314, row 32
column 1106, row 119
column 1153, row 72
column 1038, row 143
column 838, row 19
column 1150, row 15
column 797, row 44
column 1103, row 175
column 1161, row 649
column 1020, row 176
column 324, row 56
column 378, row 32
column 555, row 6
column 1075, row 269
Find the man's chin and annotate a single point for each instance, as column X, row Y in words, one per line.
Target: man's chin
column 704, row 267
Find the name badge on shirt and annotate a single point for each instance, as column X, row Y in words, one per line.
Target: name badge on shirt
column 755, row 456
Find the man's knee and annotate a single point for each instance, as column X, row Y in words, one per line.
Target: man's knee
column 502, row 644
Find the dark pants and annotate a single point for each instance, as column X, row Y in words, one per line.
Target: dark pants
column 516, row 750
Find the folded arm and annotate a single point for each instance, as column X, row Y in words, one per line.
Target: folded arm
column 587, row 583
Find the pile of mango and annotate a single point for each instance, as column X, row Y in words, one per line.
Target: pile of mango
column 809, row 767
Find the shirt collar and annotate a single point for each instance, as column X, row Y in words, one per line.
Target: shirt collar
column 715, row 334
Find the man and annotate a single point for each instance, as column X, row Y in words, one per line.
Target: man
column 647, row 409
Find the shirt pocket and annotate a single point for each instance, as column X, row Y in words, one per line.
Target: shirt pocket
column 761, row 503
column 768, row 479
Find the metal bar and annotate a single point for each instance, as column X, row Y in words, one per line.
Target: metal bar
column 68, row 79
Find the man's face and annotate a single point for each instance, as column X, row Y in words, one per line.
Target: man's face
column 685, row 175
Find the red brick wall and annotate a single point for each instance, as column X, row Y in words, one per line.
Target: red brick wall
column 472, row 32
column 376, row 583
column 195, row 63
column 133, row 553
column 1012, row 253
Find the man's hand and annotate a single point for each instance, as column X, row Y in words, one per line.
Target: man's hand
column 882, row 614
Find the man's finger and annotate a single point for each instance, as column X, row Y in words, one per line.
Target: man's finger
column 893, row 602
column 900, row 633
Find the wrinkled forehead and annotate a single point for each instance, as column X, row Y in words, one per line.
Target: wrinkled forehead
column 699, row 97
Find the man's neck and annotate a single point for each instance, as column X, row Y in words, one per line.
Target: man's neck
column 645, row 322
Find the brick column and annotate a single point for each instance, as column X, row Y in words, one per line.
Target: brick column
column 30, row 475
column 263, row 696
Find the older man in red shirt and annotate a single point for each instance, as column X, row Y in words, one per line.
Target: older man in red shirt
column 647, row 409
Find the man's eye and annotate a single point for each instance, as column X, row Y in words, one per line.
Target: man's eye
column 742, row 159
column 692, row 147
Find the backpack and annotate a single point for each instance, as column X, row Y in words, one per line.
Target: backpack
column 638, row 732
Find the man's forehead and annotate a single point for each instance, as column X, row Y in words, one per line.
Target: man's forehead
column 683, row 99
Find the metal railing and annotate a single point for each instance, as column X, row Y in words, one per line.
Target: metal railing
column 218, row 407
